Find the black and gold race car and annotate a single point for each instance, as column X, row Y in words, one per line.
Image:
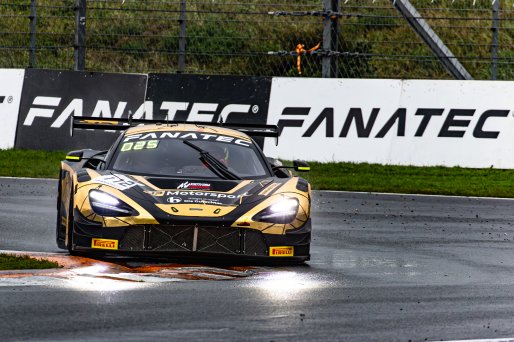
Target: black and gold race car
column 197, row 189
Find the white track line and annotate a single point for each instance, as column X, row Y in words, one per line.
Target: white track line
column 505, row 339
column 416, row 195
column 22, row 178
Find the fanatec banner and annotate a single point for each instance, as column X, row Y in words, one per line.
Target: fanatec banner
column 403, row 122
column 50, row 98
column 10, row 95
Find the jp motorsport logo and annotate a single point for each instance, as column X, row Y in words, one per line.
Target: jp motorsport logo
column 455, row 124
column 187, row 135
column 53, row 107
column 194, row 186
column 193, row 193
column 104, row 244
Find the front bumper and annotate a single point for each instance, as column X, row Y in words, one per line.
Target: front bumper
column 192, row 240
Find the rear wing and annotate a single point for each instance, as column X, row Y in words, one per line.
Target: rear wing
column 78, row 122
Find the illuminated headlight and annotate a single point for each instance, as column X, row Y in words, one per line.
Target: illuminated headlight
column 104, row 204
column 283, row 211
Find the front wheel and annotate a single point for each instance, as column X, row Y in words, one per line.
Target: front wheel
column 70, row 228
column 60, row 231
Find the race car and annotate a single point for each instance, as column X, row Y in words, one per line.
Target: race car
column 193, row 189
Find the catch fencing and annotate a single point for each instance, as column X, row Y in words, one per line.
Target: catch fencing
column 357, row 38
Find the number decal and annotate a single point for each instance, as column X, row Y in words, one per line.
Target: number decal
column 152, row 144
column 139, row 145
column 119, row 182
column 130, row 146
column 126, row 146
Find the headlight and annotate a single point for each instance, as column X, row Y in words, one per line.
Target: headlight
column 104, row 204
column 283, row 211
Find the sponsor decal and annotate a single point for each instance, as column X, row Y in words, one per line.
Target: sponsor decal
column 194, row 186
column 104, row 244
column 218, row 195
column 174, row 200
column 207, row 201
column 188, row 136
column 120, row 182
column 281, row 251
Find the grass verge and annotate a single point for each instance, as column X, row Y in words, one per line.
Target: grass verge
column 14, row 262
column 30, row 163
column 455, row 181
column 327, row 176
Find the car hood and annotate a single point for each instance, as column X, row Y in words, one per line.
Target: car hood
column 188, row 197
column 167, row 200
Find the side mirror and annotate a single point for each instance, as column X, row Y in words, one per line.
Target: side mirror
column 301, row 166
column 74, row 156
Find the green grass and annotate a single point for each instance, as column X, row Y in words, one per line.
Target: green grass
column 29, row 163
column 14, row 262
column 408, row 179
column 229, row 37
column 326, row 176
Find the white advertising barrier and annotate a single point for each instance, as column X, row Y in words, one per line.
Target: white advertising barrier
column 414, row 122
column 11, row 83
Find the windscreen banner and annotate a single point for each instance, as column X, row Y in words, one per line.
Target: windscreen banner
column 11, row 82
column 50, row 98
column 400, row 122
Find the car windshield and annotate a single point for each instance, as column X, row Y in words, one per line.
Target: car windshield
column 165, row 154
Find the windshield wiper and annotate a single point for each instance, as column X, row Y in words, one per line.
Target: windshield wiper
column 214, row 164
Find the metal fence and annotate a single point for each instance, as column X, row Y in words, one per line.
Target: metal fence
column 357, row 38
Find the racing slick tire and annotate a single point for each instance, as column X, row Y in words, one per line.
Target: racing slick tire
column 71, row 250
column 60, row 230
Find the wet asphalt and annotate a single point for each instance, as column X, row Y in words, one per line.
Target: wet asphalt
column 383, row 268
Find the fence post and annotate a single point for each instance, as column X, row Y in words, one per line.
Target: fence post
column 33, row 26
column 80, row 36
column 329, row 63
column 494, row 44
column 182, row 38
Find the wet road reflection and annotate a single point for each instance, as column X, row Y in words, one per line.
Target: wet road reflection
column 383, row 268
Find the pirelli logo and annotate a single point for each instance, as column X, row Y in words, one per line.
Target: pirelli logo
column 281, row 251
column 104, row 244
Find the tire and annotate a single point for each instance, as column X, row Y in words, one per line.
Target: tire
column 70, row 227
column 60, row 230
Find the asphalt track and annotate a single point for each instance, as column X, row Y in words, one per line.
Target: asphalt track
column 383, row 268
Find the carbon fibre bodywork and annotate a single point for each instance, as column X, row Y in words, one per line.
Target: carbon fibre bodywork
column 168, row 216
